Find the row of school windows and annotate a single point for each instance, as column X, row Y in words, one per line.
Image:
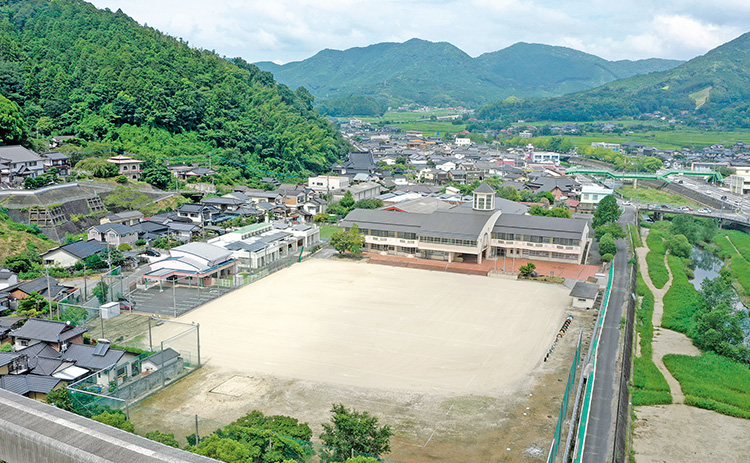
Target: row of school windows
column 536, row 239
column 451, row 241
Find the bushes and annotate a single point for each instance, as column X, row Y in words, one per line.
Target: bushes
column 657, row 270
column 713, row 382
column 682, row 301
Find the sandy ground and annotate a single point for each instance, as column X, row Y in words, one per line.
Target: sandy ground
column 453, row 362
column 382, row 327
column 684, row 434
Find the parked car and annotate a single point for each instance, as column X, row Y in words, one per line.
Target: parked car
column 686, row 208
column 627, row 203
column 127, row 304
column 704, row 210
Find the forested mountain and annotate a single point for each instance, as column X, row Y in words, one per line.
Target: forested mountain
column 73, row 69
column 439, row 73
column 715, row 85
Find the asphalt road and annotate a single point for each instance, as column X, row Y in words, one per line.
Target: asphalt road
column 600, row 431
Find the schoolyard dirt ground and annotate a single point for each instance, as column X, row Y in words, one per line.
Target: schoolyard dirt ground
column 454, row 363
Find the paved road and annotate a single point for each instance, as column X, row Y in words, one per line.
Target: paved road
column 600, row 430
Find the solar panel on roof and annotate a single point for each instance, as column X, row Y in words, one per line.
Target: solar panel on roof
column 101, row 349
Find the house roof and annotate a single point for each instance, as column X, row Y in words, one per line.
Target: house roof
column 24, row 384
column 118, row 228
column 55, row 156
column 81, row 249
column 6, row 273
column 17, row 153
column 584, row 290
column 385, row 220
column 41, row 285
column 125, row 215
column 84, row 355
column 47, row 331
column 163, row 356
column 457, row 223
column 484, row 188
column 198, row 208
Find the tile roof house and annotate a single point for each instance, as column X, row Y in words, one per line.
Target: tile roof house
column 130, row 218
column 19, row 163
column 69, row 254
column 53, row 333
column 114, row 234
column 127, row 166
column 194, row 263
column 48, row 287
column 7, row 278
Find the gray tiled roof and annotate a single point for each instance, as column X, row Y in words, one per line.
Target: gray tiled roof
column 17, row 153
column 459, row 223
column 584, row 290
column 555, row 227
column 484, row 188
column 83, row 356
column 23, row 384
column 47, row 330
column 118, row 228
column 384, row 220
column 163, row 356
column 82, row 249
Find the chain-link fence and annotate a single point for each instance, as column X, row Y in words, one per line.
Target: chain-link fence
column 562, row 417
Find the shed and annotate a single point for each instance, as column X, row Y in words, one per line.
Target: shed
column 583, row 295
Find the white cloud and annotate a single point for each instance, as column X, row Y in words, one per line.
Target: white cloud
column 287, row 30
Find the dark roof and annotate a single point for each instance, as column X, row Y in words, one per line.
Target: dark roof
column 460, row 223
column 82, row 249
column 162, row 357
column 6, row 273
column 198, row 208
column 484, row 188
column 24, row 384
column 47, row 330
column 555, row 227
column 384, row 220
column 118, row 228
column 40, row 285
column 56, row 156
column 17, row 153
column 84, row 356
column 585, row 290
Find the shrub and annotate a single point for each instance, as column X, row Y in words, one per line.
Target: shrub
column 124, row 247
column 121, row 179
column 657, row 269
column 607, row 257
column 607, row 245
column 682, row 300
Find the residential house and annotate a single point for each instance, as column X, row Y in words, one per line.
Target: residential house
column 58, row 335
column 114, row 234
column 7, row 278
column 201, row 214
column 591, row 195
column 127, row 166
column 59, row 161
column 129, row 218
column 69, row 254
column 46, row 286
column 325, row 183
column 17, row 163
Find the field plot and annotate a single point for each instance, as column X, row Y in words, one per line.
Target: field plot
column 445, row 358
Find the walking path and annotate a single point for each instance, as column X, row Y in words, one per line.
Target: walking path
column 665, row 341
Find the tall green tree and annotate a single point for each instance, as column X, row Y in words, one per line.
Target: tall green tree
column 11, row 122
column 607, row 211
column 352, row 431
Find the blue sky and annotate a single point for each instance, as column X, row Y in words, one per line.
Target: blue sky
column 292, row 30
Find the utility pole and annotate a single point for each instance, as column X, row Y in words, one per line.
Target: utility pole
column 49, row 294
column 84, row 282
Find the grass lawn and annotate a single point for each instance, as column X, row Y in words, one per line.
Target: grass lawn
column 713, row 382
column 682, row 300
column 727, row 241
column 327, row 230
column 657, row 270
column 655, row 196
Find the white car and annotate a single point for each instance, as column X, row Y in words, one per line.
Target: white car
column 704, row 210
column 627, row 203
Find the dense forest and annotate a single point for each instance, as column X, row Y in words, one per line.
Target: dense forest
column 68, row 68
column 440, row 74
column 713, row 86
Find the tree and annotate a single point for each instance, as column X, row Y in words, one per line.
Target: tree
column 11, row 122
column 351, row 241
column 607, row 211
column 223, row 449
column 60, row 398
column 124, row 198
column 33, row 305
column 607, row 245
column 347, row 201
column 613, row 228
column 6, row 347
column 721, row 330
column 527, row 270
column 98, row 167
column 679, row 246
column 157, row 174
column 352, row 431
column 100, row 291
column 124, row 247
column 115, row 418
column 163, row 437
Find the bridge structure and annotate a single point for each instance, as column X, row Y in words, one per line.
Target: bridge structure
column 659, row 175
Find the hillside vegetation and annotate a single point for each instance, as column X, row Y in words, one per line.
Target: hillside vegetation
column 438, row 73
column 97, row 74
column 715, row 85
column 16, row 237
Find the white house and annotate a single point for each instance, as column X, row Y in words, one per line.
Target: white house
column 194, row 264
column 114, row 234
column 327, row 183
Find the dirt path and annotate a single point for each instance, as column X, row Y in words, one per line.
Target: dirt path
column 665, row 341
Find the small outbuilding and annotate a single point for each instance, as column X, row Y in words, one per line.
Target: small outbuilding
column 584, row 295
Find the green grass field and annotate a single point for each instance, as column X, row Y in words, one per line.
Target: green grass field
column 727, row 241
column 657, row 269
column 682, row 300
column 713, row 382
column 327, row 230
column 655, row 196
column 419, row 121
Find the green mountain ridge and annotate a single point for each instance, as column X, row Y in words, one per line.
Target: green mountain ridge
column 714, row 85
column 439, row 73
column 74, row 69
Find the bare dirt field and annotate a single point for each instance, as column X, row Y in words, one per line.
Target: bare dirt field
column 680, row 433
column 453, row 362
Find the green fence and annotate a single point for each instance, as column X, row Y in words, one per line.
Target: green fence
column 555, row 448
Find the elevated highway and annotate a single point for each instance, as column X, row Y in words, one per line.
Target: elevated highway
column 662, row 175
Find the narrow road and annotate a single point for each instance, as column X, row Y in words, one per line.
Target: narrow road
column 600, row 431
